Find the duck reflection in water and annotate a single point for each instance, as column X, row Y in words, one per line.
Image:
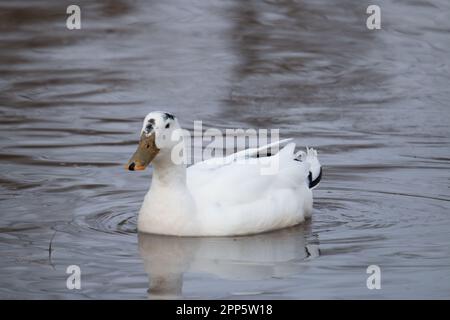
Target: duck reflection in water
column 256, row 257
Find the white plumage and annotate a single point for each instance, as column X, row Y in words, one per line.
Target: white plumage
column 226, row 196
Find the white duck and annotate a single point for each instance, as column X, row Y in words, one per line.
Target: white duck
column 233, row 195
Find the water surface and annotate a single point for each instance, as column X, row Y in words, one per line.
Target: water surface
column 374, row 103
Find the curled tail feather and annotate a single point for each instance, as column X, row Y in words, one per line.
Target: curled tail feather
column 315, row 182
column 315, row 169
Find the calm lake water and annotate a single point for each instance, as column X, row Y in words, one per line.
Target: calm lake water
column 374, row 103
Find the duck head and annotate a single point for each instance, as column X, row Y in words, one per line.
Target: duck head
column 157, row 137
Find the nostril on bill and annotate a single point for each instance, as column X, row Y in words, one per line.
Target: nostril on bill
column 131, row 166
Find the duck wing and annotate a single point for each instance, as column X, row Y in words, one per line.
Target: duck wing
column 246, row 176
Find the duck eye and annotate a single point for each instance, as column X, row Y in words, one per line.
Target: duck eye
column 167, row 126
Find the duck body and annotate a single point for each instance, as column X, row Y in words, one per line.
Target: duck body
column 239, row 194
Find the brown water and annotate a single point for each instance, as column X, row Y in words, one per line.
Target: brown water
column 374, row 103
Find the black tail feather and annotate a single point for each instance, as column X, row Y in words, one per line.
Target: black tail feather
column 315, row 182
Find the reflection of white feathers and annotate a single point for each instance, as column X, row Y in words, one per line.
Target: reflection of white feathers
column 257, row 257
column 243, row 193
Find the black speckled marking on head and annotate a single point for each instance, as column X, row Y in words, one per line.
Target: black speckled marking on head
column 149, row 126
column 168, row 116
